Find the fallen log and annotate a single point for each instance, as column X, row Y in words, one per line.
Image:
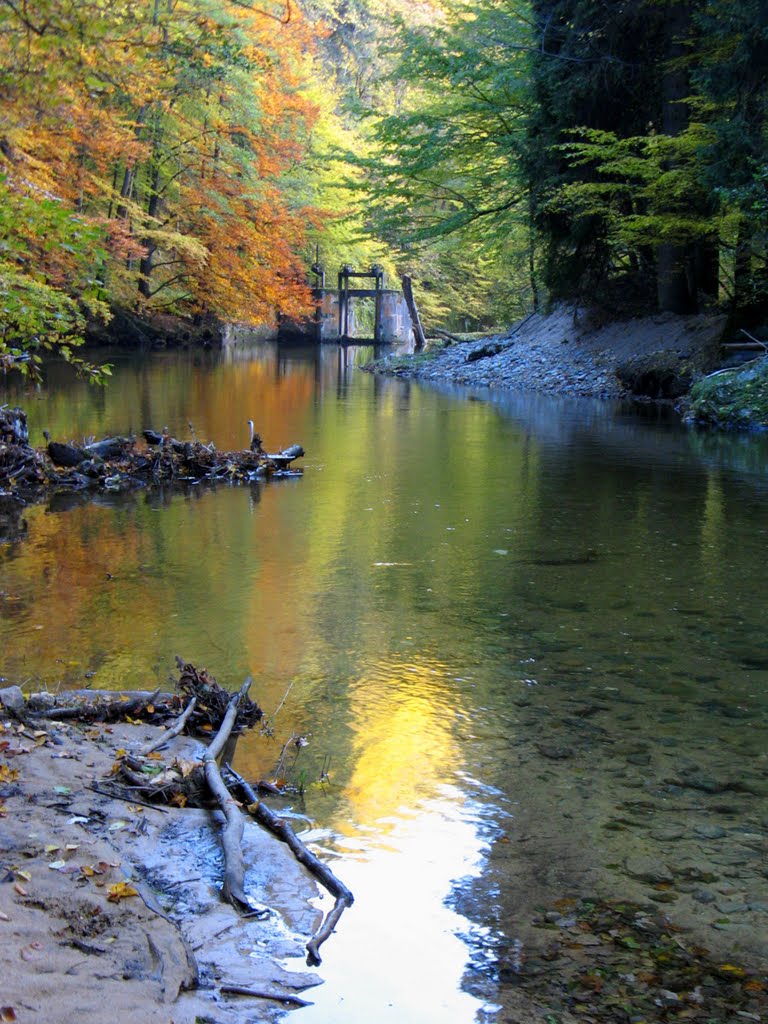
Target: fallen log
column 95, row 709
column 283, row 831
column 232, row 888
column 418, row 330
column 448, row 336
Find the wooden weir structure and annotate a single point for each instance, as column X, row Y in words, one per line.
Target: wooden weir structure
column 336, row 316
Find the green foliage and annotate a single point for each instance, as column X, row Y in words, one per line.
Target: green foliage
column 646, row 189
column 736, row 399
column 49, row 262
column 440, row 177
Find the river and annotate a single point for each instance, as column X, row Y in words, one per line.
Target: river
column 518, row 646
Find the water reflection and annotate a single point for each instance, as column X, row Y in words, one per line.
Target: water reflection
column 541, row 617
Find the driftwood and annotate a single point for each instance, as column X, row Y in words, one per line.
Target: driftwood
column 97, row 708
column 197, row 778
column 448, row 336
column 261, row 993
column 418, row 330
column 176, row 728
column 121, row 463
column 232, row 888
column 212, row 701
column 283, row 831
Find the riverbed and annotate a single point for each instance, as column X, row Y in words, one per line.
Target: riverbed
column 514, row 646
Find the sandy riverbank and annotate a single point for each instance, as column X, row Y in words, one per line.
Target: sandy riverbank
column 74, row 949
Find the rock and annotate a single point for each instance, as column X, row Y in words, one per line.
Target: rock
column 667, row 835
column 639, row 759
column 709, row 831
column 554, row 753
column 647, row 869
column 704, row 896
column 731, row 906
column 664, row 896
column 12, row 699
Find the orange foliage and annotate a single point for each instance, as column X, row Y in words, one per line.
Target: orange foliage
column 174, row 129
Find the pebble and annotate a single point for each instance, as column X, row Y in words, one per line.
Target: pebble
column 647, row 869
column 709, row 831
column 667, row 835
column 704, row 896
column 731, row 906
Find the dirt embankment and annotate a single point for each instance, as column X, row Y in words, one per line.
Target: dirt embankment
column 573, row 353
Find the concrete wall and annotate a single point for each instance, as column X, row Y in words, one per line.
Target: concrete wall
column 396, row 320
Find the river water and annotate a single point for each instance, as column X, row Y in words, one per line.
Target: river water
column 519, row 643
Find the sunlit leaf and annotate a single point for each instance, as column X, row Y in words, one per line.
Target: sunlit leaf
column 121, row 891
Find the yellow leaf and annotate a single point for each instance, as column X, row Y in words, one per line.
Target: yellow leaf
column 121, row 891
column 23, row 875
column 731, row 971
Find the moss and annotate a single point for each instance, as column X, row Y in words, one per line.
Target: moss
column 732, row 399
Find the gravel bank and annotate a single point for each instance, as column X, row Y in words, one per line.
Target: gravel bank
column 563, row 354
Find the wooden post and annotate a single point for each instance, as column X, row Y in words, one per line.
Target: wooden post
column 418, row 332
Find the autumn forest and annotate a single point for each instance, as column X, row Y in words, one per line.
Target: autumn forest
column 194, row 158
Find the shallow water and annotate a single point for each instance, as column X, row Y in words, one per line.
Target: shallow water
column 523, row 637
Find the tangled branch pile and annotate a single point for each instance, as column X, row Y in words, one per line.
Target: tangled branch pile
column 185, row 776
column 121, row 463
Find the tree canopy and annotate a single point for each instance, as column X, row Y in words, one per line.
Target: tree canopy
column 195, row 157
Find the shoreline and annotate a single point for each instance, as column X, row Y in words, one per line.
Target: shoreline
column 108, row 903
column 575, row 354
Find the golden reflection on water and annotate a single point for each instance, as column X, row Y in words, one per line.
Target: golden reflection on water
column 403, row 745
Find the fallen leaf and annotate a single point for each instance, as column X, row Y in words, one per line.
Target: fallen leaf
column 731, row 971
column 23, row 875
column 20, row 890
column 4, row 917
column 72, row 846
column 52, row 848
column 62, row 790
column 57, row 865
column 7, row 1014
column 116, row 826
column 121, row 891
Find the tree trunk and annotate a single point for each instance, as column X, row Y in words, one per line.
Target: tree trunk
column 676, row 277
column 418, row 331
column 146, row 263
